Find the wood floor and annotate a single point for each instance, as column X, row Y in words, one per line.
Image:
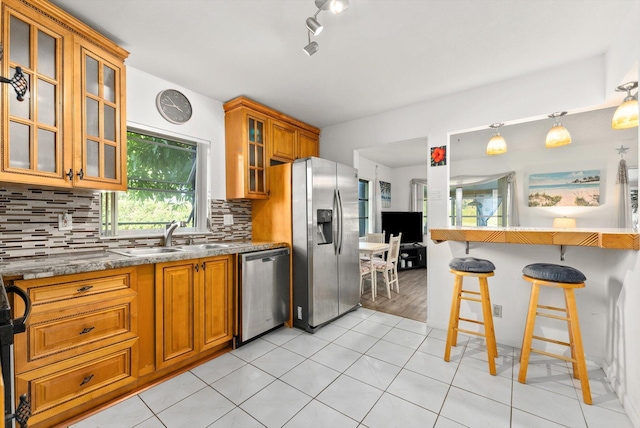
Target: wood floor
column 410, row 303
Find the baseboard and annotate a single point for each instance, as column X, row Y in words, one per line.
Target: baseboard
column 629, row 408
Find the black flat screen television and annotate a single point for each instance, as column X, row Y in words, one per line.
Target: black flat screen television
column 407, row 222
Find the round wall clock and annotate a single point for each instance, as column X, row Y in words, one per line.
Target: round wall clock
column 174, row 106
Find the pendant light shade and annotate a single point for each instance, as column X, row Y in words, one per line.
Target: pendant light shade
column 497, row 145
column 558, row 135
column 626, row 115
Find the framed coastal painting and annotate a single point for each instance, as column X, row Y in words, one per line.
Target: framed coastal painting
column 385, row 194
column 565, row 189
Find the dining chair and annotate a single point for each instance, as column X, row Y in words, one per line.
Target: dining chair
column 373, row 237
column 389, row 266
column 365, row 269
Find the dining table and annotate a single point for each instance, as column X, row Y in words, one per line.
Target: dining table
column 369, row 250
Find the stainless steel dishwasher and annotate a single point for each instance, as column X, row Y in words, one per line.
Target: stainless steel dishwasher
column 264, row 292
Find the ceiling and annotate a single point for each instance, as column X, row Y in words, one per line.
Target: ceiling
column 376, row 56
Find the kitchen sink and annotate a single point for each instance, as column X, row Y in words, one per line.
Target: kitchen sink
column 145, row 252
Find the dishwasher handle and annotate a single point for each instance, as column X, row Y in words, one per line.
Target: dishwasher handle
column 264, row 256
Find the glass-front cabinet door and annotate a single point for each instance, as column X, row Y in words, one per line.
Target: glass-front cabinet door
column 70, row 128
column 100, row 144
column 256, row 157
column 33, row 148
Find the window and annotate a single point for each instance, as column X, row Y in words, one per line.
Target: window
column 479, row 204
column 424, row 210
column 363, row 206
column 418, row 199
column 161, row 176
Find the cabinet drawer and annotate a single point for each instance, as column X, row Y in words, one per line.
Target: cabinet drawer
column 58, row 334
column 61, row 387
column 49, row 290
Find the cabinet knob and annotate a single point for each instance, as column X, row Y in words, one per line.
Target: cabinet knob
column 86, row 380
column 70, row 174
column 86, row 330
column 81, row 174
column 85, row 288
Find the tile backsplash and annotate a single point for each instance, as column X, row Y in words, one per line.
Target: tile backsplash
column 29, row 223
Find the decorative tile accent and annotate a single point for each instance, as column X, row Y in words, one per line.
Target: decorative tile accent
column 29, row 223
column 241, row 228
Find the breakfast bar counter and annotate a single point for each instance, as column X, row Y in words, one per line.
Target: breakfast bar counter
column 621, row 239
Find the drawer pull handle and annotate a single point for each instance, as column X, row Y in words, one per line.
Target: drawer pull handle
column 85, row 288
column 86, row 330
column 86, row 380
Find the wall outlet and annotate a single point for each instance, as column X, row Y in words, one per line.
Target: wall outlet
column 227, row 219
column 65, row 221
column 299, row 312
column 497, row 311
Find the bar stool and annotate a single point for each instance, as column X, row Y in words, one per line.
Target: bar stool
column 568, row 279
column 481, row 269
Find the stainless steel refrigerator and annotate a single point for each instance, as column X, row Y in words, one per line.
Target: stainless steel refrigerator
column 325, row 241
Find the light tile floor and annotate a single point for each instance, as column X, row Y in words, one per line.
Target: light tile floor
column 367, row 369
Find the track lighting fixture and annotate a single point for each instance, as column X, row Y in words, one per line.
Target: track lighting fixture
column 497, row 145
column 558, row 135
column 626, row 115
column 315, row 27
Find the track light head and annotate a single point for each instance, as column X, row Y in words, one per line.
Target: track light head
column 311, row 48
column 335, row 6
column 314, row 26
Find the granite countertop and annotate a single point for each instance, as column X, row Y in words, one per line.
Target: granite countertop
column 43, row 267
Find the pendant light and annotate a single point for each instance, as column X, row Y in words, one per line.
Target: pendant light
column 626, row 115
column 497, row 145
column 558, row 135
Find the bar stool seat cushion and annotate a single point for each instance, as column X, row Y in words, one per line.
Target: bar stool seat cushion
column 471, row 264
column 554, row 273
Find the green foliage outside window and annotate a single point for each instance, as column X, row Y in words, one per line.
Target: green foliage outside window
column 162, row 180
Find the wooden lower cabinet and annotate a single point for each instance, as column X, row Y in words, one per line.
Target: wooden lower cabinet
column 83, row 347
column 80, row 348
column 194, row 308
column 64, row 389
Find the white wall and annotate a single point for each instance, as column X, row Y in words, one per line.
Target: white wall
column 570, row 87
column 401, row 187
column 206, row 124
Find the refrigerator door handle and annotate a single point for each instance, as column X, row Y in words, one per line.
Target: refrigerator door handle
column 340, row 218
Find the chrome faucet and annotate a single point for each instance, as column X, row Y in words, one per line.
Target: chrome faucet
column 168, row 231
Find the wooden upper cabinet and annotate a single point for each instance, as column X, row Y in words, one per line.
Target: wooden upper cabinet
column 246, row 154
column 101, row 153
column 283, row 139
column 62, row 134
column 308, row 144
